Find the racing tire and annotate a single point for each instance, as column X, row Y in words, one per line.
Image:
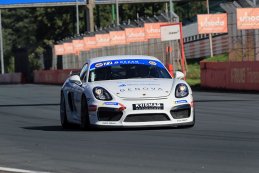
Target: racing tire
column 63, row 113
column 85, row 121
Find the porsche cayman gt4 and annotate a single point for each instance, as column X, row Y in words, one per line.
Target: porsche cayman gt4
column 126, row 91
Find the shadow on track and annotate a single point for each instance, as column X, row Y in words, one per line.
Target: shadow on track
column 52, row 128
column 100, row 129
column 25, row 105
column 198, row 101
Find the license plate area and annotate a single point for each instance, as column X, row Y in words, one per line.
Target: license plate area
column 148, row 106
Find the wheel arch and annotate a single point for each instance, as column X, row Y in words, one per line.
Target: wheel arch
column 84, row 97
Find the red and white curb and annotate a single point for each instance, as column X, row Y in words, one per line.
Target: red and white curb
column 14, row 170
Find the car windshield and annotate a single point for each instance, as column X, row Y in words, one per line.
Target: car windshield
column 113, row 71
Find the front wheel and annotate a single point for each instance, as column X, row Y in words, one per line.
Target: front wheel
column 63, row 113
column 85, row 122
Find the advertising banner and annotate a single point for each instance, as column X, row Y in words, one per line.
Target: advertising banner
column 90, row 43
column 59, row 49
column 152, row 30
column 247, row 18
column 69, row 48
column 135, row 35
column 79, row 46
column 212, row 23
column 170, row 32
column 102, row 40
column 117, row 38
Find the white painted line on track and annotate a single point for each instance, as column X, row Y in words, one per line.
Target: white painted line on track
column 19, row 170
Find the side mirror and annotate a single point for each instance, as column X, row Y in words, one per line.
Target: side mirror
column 74, row 72
column 179, row 75
column 75, row 79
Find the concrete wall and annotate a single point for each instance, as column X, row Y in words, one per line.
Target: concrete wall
column 230, row 75
column 51, row 76
column 11, row 78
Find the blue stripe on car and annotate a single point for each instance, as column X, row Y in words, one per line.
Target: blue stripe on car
column 125, row 61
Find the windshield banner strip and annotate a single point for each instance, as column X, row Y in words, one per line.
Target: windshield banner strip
column 126, row 61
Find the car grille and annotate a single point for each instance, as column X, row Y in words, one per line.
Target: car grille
column 181, row 111
column 146, row 117
column 109, row 114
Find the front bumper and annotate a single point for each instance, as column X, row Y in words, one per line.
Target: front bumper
column 173, row 114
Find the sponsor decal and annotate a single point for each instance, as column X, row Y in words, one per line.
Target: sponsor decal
column 148, row 106
column 117, row 37
column 122, row 85
column 59, row 50
column 141, row 83
column 212, row 23
column 135, row 35
column 208, row 23
column 68, row 48
column 122, row 107
column 125, row 61
column 152, row 62
column 180, row 101
column 98, row 65
column 247, row 18
column 108, row 122
column 152, row 30
column 141, row 89
column 111, row 103
column 182, row 120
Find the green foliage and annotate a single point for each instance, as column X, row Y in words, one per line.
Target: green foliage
column 10, row 66
column 127, row 12
column 34, row 29
column 188, row 10
column 193, row 73
column 37, row 29
column 217, row 58
column 193, row 70
column 103, row 15
column 193, row 82
column 34, row 62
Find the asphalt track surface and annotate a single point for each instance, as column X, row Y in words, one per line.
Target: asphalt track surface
column 225, row 138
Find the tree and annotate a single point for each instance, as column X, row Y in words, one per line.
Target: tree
column 37, row 29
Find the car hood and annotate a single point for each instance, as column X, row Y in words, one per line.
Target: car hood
column 138, row 88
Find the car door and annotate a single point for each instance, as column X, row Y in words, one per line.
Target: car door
column 79, row 90
column 71, row 112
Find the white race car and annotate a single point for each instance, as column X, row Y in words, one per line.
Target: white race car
column 126, row 91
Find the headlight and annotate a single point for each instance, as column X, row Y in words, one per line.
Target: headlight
column 101, row 94
column 181, row 91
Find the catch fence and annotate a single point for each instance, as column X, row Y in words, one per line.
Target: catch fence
column 195, row 47
column 153, row 47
